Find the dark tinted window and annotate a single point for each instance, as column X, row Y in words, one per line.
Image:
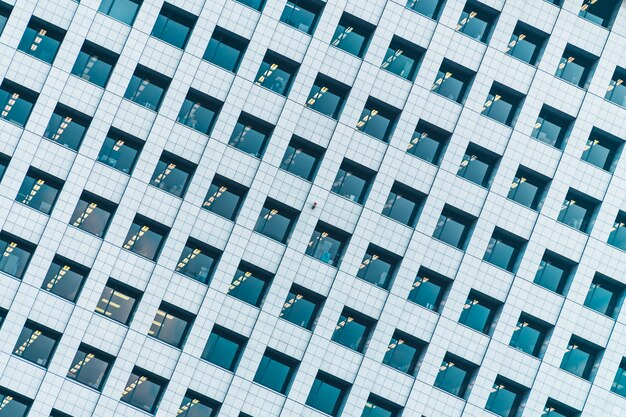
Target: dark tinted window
column 276, row 220
column 552, row 127
column 199, row 111
column 428, row 142
column 16, row 102
column 36, row 344
column 454, row 227
column 554, row 272
column 94, row 64
column 39, row 190
column 602, row 13
column 174, row 25
column 619, row 382
column 301, row 307
column 224, row 197
column 403, row 204
column 302, row 158
column 454, row 375
column 379, row 407
column 429, row 289
column 225, row 49
column 122, row 10
column 528, row 188
column 172, row 174
column 503, row 104
column 5, row 12
column 120, row 151
column 276, row 371
column 428, row 8
column 602, row 149
column 504, row 250
column 576, row 66
column 144, row 390
column 65, row 278
column 67, row 127
column 378, row 119
column 147, row 88
column 15, row 405
column 403, row 352
column 402, row 58
column 224, row 348
column 527, row 43
column 529, row 335
column 327, row 96
column 251, row 135
column 250, row 284
column 93, row 214
column 580, row 357
column 171, row 325
column 616, row 91
column 352, row 35
column 302, row 14
column 328, row 394
column 617, row 237
column 605, row 295
column 378, row 266
column 353, row 181
column 41, row 40
column 578, row 210
column 505, row 397
column 276, row 73
column 198, row 261
column 118, row 302
column 478, row 165
column 453, row 81
column 353, row 330
column 146, row 237
column 477, row 21
column 255, row 4
column 479, row 312
column 16, row 254
column 196, row 405
column 90, row 367
column 327, row 244
column 4, row 163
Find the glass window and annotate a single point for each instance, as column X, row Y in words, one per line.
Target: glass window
column 276, row 220
column 250, row 284
column 225, row 49
column 504, row 250
column 605, row 295
column 171, row 325
column 39, row 190
column 403, row 204
column 147, row 88
column 529, row 335
column 477, row 21
column 403, row 352
column 67, row 127
column 528, row 188
column 454, row 227
column 454, row 375
column 301, row 307
column 617, row 237
column 302, row 158
column 302, row 14
column 144, row 390
column 196, row 405
column 90, row 367
column 429, row 289
column 327, row 244
column 172, row 174
column 255, row 4
column 428, row 8
column 94, row 64
column 146, row 237
column 479, row 312
column 527, row 43
column 616, row 91
column 576, row 66
column 65, row 278
column 174, row 25
column 3, row 315
column 578, row 210
column 478, row 165
column 120, row 151
column 14, row 405
column 56, row 413
column 123, row 10
column 428, row 142
column 16, row 254
column 352, row 35
column 353, row 181
column 36, row 344
column 581, row 357
column 327, row 96
column 118, row 302
column 353, row 330
column 602, row 13
column 403, row 58
column 453, row 81
column 5, row 12
column 199, row 111
column 506, row 397
column 378, row 266
column 198, row 261
column 554, row 408
column 224, row 348
column 378, row 119
column 224, row 197
column 503, row 104
column 93, row 214
column 619, row 383
column 17, row 102
column 328, row 394
column 276, row 371
column 4, row 163
column 41, row 40
column 554, row 272
column 251, row 135
column 379, row 407
column 602, row 149
column 276, row 73
column 552, row 127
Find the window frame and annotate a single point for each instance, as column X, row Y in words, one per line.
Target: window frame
column 126, row 290
column 142, row 221
column 98, row 354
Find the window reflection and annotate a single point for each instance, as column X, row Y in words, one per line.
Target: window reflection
column 276, row 73
column 147, row 88
column 479, row 312
column 352, row 330
column 251, row 135
column 90, row 367
column 302, row 14
column 146, row 238
column 224, row 348
column 453, row 81
column 378, row 119
column 403, row 352
column 120, row 151
column 328, row 394
column 118, row 302
column 196, row 405
column 16, row 102
column 93, row 214
column 477, row 21
column 302, row 158
column 576, row 66
column 123, row 10
column 199, row 111
column 617, row 237
column 352, row 35
column 5, row 12
column 94, row 64
column 552, row 127
column 198, row 261
column 41, row 40
column 578, row 210
column 402, row 58
column 64, row 278
column 225, row 49
column 352, row 181
column 327, row 244
column 16, row 254
column 14, row 405
column 276, row 221
column 67, row 127
column 454, row 227
column 327, row 96
column 36, row 344
column 224, row 197
column 143, row 390
column 454, row 375
column 39, row 191
column 172, row 174
column 174, row 25
column 428, row 8
column 170, row 325
column 250, row 284
column 276, row 371
column 428, row 289
column 301, row 307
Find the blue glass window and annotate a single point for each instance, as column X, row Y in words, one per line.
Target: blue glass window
column 276, row 73
column 41, row 40
column 196, row 405
column 576, row 66
column 503, row 104
column 428, row 8
column 602, row 149
column 67, row 127
column 529, row 335
column 619, row 382
column 36, row 344
column 402, row 58
column 94, row 64
column 428, row 142
column 554, row 272
column 505, row 397
column 250, row 284
column 16, row 405
column 581, row 357
column 199, row 111
column 251, row 135
column 118, row 302
column 276, row 220
column 327, row 244
column 403, row 352
column 616, row 91
column 352, row 35
column 120, row 151
column 528, row 188
column 301, row 307
column 198, row 261
column 144, row 390
column 171, row 325
column 454, row 375
column 429, row 289
column 477, row 21
column 225, row 49
column 353, row 330
column 527, row 43
column 578, row 210
column 605, row 295
column 403, row 204
column 146, row 237
column 353, row 181
column 39, row 190
column 224, row 197
column 90, row 367
column 123, row 10
column 378, row 266
column 302, row 158
column 478, row 165
column 172, row 174
column 65, row 278
column 147, row 88
column 504, row 250
column 174, row 25
column 93, row 214
column 328, row 394
column 617, row 237
column 479, row 312
column 454, row 227
column 378, row 119
column 602, row 13
column 552, row 127
column 224, row 348
column 379, row 407
column 276, row 371
column 16, row 102
column 302, row 14
column 5, row 12
column 327, row 96
column 453, row 81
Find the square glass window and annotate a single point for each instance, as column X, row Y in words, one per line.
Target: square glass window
column 378, row 119
column 224, row 197
column 67, row 127
column 403, row 58
column 251, row 135
column 65, row 278
column 327, row 244
column 528, row 188
column 302, row 14
column 619, row 382
column 527, row 43
column 174, row 25
column 478, row 165
column 529, row 335
column 555, row 408
column 403, row 204
column 616, row 91
column 379, row 407
column 224, row 348
column 276, row 73
column 454, row 227
column 16, row 102
column 353, row 181
column 428, row 142
column 554, row 272
column 301, row 307
column 302, row 158
column 276, row 220
column 617, row 237
column 146, row 237
column 453, row 81
column 328, row 394
column 16, row 254
column 198, row 261
column 578, row 210
column 250, row 284
column 602, row 13
column 5, row 12
column 120, row 151
column 552, row 127
column 327, row 96
column 352, row 35
column 118, row 302
column 378, row 266
column 90, row 367
column 454, row 375
column 36, row 344
column 41, row 40
column 605, row 295
column 479, row 312
column 196, row 405
column 39, row 190
column 14, row 405
column 428, row 8
column 503, row 104
column 504, row 250
column 602, row 149
column 403, row 352
column 477, row 21
column 4, row 163
column 199, row 111
column 144, row 390
column 255, row 4
column 276, row 371
column 123, row 10
column 93, row 214
column 353, row 330
column 429, row 289
column 94, row 64
column 581, row 358
column 172, row 174
column 147, row 88
column 225, row 49
column 505, row 397
column 171, row 325
column 576, row 66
